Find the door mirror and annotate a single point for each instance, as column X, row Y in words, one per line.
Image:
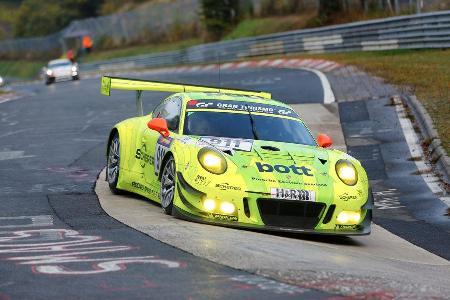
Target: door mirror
column 324, row 140
column 160, row 125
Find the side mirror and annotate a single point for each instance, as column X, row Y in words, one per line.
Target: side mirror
column 160, row 125
column 324, row 140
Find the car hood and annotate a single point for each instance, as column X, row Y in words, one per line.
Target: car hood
column 266, row 164
column 62, row 71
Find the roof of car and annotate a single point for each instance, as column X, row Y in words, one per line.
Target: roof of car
column 58, row 61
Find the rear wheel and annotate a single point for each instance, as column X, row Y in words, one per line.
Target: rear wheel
column 168, row 186
column 113, row 163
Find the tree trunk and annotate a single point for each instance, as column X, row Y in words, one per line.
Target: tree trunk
column 389, row 5
column 364, row 6
column 327, row 7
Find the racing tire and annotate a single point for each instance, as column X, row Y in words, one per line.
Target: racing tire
column 75, row 78
column 113, row 163
column 167, row 191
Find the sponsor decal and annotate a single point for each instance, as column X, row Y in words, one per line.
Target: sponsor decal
column 291, row 194
column 346, row 197
column 224, row 217
column 347, row 227
column 227, row 187
column 289, row 182
column 143, row 156
column 198, row 104
column 202, row 180
column 241, row 106
column 268, row 168
column 162, row 146
column 186, row 140
column 227, row 143
column 145, row 188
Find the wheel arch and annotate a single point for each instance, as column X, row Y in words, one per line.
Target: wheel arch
column 168, row 155
column 111, row 134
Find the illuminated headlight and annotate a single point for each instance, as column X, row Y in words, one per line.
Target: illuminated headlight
column 346, row 172
column 209, row 204
column 212, row 161
column 49, row 72
column 227, row 208
column 349, row 217
column 74, row 69
column 1, row 81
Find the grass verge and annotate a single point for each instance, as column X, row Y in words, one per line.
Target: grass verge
column 138, row 50
column 260, row 26
column 20, row 68
column 425, row 73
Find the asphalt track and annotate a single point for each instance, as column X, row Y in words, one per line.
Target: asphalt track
column 56, row 241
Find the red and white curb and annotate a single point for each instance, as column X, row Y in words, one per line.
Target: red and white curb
column 293, row 63
column 317, row 66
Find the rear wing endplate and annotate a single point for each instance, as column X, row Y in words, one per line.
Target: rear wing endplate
column 138, row 85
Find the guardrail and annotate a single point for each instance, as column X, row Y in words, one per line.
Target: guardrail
column 430, row 30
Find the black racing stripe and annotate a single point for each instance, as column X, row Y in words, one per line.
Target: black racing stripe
column 187, row 203
column 194, row 192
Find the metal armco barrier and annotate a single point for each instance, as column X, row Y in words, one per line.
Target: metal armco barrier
column 423, row 31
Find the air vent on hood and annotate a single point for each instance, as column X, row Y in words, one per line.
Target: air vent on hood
column 323, row 161
column 270, row 148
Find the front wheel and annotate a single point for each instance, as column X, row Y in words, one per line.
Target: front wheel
column 113, row 163
column 168, row 186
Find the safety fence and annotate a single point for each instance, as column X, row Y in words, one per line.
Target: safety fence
column 422, row 31
column 149, row 21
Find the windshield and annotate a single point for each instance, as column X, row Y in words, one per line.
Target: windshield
column 60, row 64
column 239, row 125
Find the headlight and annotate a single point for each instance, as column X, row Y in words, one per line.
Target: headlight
column 348, row 217
column 209, row 204
column 346, row 172
column 74, row 68
column 212, row 161
column 227, row 208
column 49, row 72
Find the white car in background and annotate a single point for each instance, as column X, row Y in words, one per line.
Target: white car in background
column 59, row 70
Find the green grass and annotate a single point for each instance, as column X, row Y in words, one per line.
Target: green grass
column 259, row 26
column 21, row 69
column 425, row 73
column 138, row 50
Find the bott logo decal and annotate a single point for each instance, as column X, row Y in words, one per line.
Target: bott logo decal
column 283, row 169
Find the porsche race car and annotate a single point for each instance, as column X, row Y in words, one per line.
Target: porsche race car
column 60, row 69
column 235, row 158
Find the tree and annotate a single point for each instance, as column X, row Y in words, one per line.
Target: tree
column 328, row 8
column 37, row 17
column 218, row 16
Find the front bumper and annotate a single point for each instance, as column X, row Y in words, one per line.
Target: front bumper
column 192, row 213
column 363, row 228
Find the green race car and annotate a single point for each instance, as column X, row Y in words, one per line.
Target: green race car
column 235, row 158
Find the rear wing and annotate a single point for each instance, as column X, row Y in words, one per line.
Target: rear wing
column 138, row 85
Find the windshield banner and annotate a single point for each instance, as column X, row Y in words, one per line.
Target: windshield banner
column 241, row 106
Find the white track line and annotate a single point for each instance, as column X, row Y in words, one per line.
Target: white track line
column 328, row 95
column 416, row 150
